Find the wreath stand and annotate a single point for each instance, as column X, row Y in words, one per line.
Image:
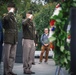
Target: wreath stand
column 59, row 71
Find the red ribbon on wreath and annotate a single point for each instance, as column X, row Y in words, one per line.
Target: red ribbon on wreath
column 52, row 22
column 69, row 36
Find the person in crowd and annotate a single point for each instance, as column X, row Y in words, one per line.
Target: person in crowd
column 28, row 42
column 10, row 39
column 1, row 40
column 45, row 45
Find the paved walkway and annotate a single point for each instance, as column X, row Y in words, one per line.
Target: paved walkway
column 39, row 69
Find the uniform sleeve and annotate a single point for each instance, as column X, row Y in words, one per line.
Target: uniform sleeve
column 6, row 19
column 8, row 16
column 25, row 21
column 36, row 38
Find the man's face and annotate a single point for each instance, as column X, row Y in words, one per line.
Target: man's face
column 27, row 15
column 46, row 31
column 9, row 8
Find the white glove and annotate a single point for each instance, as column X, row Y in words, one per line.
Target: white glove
column 30, row 16
column 68, row 40
column 11, row 10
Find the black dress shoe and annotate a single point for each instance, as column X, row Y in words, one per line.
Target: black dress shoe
column 33, row 63
column 11, row 73
column 26, row 72
column 32, row 72
column 29, row 72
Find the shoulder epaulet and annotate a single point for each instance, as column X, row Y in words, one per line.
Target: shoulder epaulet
column 4, row 14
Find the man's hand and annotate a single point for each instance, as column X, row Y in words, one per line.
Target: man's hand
column 30, row 16
column 36, row 44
